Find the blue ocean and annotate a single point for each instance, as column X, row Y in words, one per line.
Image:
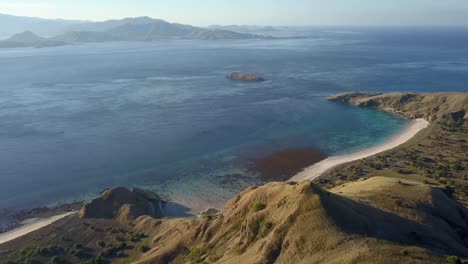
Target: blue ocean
column 162, row 116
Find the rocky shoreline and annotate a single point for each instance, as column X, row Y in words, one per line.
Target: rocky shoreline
column 18, row 218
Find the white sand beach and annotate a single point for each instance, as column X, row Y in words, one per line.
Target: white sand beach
column 29, row 226
column 318, row 169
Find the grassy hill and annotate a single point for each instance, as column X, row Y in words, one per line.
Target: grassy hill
column 379, row 220
column 302, row 223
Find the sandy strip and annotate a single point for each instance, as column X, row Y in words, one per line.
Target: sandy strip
column 318, row 169
column 29, row 226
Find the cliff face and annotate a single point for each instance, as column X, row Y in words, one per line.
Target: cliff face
column 441, row 107
column 123, row 204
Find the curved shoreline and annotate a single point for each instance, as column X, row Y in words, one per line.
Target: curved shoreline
column 308, row 173
column 29, row 226
column 323, row 166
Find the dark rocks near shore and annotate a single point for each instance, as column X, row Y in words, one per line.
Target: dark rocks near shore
column 210, row 212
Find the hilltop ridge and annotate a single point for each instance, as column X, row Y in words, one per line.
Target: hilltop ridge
column 302, row 223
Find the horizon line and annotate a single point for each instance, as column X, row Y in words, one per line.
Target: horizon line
column 247, row 24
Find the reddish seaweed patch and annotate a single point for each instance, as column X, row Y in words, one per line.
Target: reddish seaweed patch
column 282, row 165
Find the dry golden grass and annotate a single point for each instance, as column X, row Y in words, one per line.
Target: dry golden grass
column 302, row 223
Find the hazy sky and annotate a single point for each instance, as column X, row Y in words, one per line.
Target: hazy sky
column 262, row 12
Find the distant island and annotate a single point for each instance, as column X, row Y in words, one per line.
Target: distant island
column 245, row 28
column 247, row 77
column 404, row 205
column 11, row 25
column 29, row 39
column 128, row 29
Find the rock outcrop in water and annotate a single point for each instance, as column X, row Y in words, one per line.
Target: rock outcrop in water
column 123, row 204
column 247, row 77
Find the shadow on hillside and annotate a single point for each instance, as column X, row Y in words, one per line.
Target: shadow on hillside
column 175, row 210
column 362, row 219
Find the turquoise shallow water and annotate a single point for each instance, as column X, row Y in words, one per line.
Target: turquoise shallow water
column 78, row 119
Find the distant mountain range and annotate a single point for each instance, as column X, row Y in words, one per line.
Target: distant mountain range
column 63, row 32
column 10, row 25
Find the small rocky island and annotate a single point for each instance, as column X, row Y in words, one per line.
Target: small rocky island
column 246, row 77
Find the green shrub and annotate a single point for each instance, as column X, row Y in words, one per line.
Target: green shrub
column 121, row 254
column 259, row 207
column 453, row 260
column 109, row 252
column 122, row 246
column 254, row 226
column 265, row 228
column 28, row 252
column 77, row 246
column 137, row 237
column 78, row 253
column 238, row 250
column 33, row 261
column 55, row 260
column 51, row 250
column 101, row 243
column 458, row 166
column 404, row 252
column 194, row 255
column 144, row 248
column 96, row 260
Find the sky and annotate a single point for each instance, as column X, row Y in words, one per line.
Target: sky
column 252, row 12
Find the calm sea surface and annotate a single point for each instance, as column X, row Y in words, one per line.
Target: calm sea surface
column 77, row 119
